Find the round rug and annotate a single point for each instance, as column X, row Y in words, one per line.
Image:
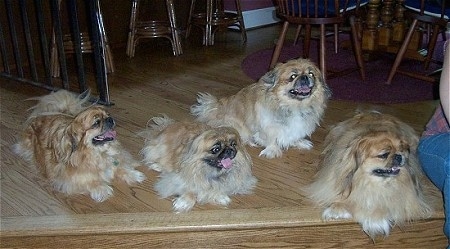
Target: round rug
column 403, row 89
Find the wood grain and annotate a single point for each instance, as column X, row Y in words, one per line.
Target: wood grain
column 277, row 215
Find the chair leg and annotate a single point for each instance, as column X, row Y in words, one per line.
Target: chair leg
column 54, row 61
column 401, row 52
column 307, row 41
column 279, row 46
column 357, row 49
column 322, row 52
column 241, row 21
column 336, row 38
column 431, row 46
column 297, row 34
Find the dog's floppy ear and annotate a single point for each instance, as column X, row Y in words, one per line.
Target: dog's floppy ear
column 64, row 147
column 270, row 78
column 343, row 163
column 191, row 149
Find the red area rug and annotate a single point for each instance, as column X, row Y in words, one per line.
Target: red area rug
column 350, row 87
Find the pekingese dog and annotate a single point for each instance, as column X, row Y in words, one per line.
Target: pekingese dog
column 75, row 147
column 369, row 172
column 279, row 111
column 198, row 163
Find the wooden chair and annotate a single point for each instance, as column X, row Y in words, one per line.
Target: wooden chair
column 215, row 18
column 86, row 47
column 144, row 29
column 321, row 13
column 427, row 13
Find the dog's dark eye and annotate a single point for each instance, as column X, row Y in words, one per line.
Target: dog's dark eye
column 384, row 155
column 311, row 74
column 96, row 123
column 216, row 148
column 293, row 77
column 233, row 143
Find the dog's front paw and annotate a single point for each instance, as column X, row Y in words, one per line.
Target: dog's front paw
column 101, row 193
column 156, row 167
column 378, row 227
column 304, row 144
column 335, row 212
column 271, row 151
column 183, row 203
column 223, row 200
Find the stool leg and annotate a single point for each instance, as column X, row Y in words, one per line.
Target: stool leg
column 173, row 26
column 132, row 29
column 189, row 22
column 208, row 35
column 109, row 61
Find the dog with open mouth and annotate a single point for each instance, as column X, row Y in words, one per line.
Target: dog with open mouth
column 197, row 163
column 279, row 111
column 75, row 146
column 369, row 172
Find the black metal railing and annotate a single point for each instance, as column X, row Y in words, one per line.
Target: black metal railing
column 26, row 50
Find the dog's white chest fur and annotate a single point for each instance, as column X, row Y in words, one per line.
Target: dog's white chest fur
column 288, row 128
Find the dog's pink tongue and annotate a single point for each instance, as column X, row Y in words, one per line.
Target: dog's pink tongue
column 304, row 89
column 110, row 134
column 226, row 163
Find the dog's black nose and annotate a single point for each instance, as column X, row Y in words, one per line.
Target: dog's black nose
column 397, row 160
column 304, row 80
column 228, row 152
column 110, row 122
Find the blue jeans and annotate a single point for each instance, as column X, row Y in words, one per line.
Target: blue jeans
column 434, row 155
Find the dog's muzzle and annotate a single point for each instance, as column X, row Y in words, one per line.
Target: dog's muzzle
column 224, row 159
column 108, row 135
column 397, row 162
column 109, row 123
column 302, row 87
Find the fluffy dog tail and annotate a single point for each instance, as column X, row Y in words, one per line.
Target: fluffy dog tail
column 206, row 107
column 59, row 102
column 155, row 125
column 159, row 123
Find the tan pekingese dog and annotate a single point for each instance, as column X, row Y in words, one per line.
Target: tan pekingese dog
column 75, row 146
column 198, row 163
column 369, row 172
column 281, row 110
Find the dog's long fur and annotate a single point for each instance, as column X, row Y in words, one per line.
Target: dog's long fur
column 281, row 110
column 369, row 172
column 189, row 156
column 59, row 138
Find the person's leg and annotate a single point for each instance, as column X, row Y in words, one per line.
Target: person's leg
column 434, row 156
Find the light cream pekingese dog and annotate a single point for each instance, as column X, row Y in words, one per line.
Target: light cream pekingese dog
column 369, row 172
column 279, row 111
column 198, row 163
column 75, row 147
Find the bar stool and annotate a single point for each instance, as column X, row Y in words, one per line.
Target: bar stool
column 140, row 29
column 86, row 47
column 214, row 19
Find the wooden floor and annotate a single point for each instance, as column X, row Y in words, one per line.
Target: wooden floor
column 277, row 215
